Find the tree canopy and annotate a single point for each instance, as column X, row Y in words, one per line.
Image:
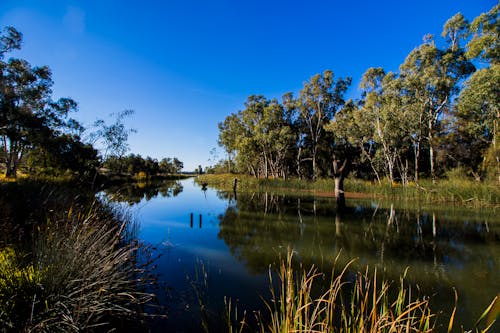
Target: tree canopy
column 37, row 132
column 34, row 126
column 437, row 113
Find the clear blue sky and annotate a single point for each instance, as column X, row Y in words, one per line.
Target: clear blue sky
column 183, row 65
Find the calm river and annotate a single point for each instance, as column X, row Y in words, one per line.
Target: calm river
column 213, row 246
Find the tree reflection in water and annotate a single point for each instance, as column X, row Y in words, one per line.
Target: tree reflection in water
column 443, row 248
column 133, row 193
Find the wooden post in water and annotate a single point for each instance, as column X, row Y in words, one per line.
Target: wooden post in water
column 200, row 221
column 235, row 185
column 191, row 220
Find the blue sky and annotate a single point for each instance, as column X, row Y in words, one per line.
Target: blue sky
column 183, row 65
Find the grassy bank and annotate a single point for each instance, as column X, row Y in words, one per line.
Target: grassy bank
column 67, row 263
column 461, row 192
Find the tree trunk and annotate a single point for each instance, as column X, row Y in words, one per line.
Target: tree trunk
column 390, row 165
column 416, row 152
column 339, row 191
column 11, row 166
column 430, row 138
column 299, row 163
column 370, row 159
column 266, row 166
column 314, row 163
column 339, row 175
column 431, row 157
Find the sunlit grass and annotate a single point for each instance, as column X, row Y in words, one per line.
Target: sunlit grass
column 309, row 301
column 4, row 179
column 362, row 304
column 456, row 191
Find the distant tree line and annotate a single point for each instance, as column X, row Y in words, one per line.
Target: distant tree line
column 38, row 135
column 439, row 112
column 133, row 164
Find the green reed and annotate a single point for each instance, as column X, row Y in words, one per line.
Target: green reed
column 363, row 303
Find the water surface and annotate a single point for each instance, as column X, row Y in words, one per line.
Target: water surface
column 212, row 245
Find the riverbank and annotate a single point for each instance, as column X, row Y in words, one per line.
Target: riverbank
column 69, row 261
column 74, row 240
column 456, row 192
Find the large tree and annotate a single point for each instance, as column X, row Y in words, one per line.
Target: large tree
column 29, row 117
column 112, row 139
column 431, row 78
column 478, row 113
column 319, row 100
column 478, row 110
column 384, row 115
column 260, row 136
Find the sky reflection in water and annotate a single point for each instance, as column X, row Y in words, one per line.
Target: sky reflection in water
column 232, row 248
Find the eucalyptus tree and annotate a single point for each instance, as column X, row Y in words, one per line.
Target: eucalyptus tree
column 352, row 126
column 383, row 113
column 113, row 138
column 249, row 123
column 178, row 165
column 276, row 137
column 455, row 30
column 228, row 138
column 259, row 136
column 431, row 78
column 485, row 31
column 377, row 126
column 351, row 144
column 319, row 101
column 166, row 165
column 478, row 108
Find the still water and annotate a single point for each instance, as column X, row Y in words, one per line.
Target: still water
column 212, row 246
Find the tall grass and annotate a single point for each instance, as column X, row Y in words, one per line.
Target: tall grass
column 348, row 303
column 359, row 304
column 83, row 274
column 461, row 191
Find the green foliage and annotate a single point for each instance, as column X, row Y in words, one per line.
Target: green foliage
column 486, row 36
column 134, row 163
column 260, row 136
column 455, row 30
column 406, row 125
column 113, row 138
column 477, row 114
column 18, row 284
column 273, row 139
column 431, row 79
column 63, row 153
column 31, row 122
column 319, row 101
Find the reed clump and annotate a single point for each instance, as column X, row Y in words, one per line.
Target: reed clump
column 356, row 304
column 84, row 273
column 309, row 301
